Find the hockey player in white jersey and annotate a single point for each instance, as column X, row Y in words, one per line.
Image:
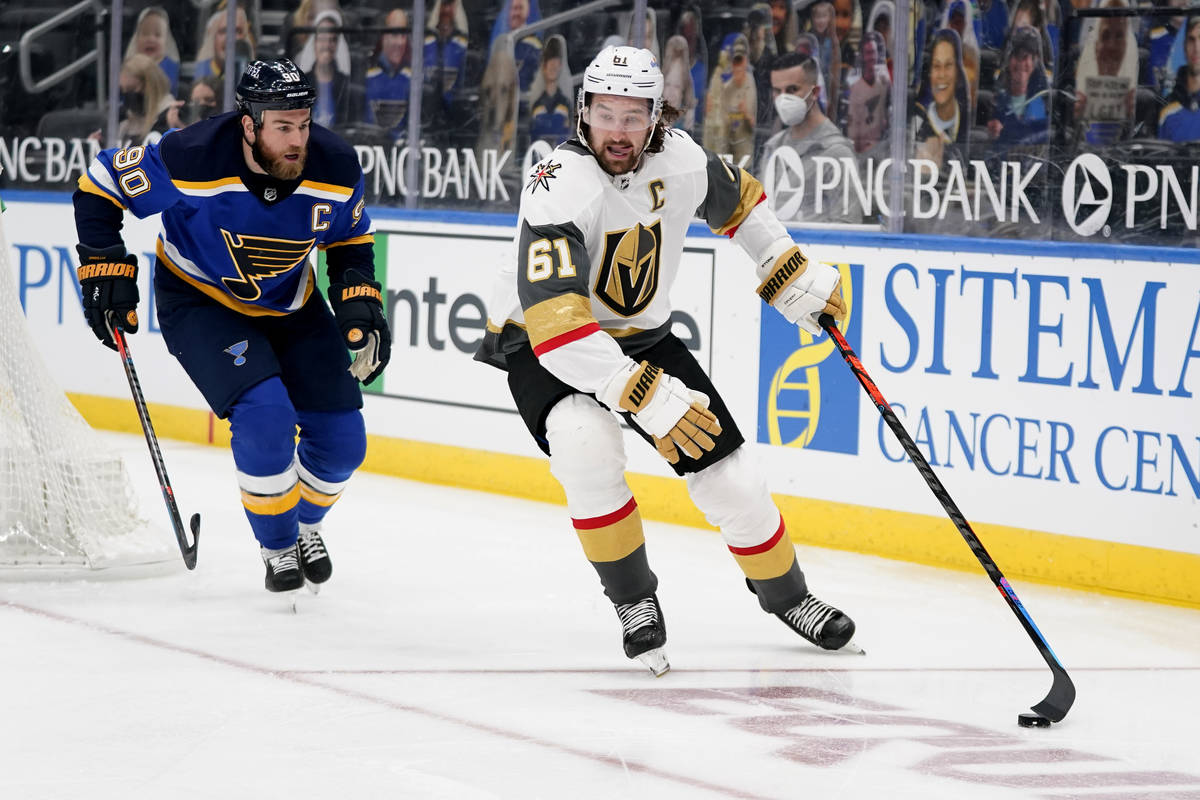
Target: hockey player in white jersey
column 581, row 323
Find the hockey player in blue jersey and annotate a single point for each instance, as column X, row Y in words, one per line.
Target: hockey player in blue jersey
column 244, row 197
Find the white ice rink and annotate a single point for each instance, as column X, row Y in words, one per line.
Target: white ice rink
column 463, row 649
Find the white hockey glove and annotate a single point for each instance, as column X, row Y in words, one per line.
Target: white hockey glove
column 800, row 291
column 674, row 415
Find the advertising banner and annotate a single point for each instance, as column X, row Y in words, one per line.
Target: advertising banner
column 1050, row 393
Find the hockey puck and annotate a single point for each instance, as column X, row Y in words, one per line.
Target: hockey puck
column 1029, row 720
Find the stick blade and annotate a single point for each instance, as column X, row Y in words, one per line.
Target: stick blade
column 189, row 551
column 1055, row 705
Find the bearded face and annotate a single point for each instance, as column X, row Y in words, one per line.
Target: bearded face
column 280, row 145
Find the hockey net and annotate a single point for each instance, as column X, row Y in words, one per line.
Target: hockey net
column 66, row 501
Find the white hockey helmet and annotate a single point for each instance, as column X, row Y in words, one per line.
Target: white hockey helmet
column 623, row 71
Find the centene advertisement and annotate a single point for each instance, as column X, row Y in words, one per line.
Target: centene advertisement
column 440, row 279
column 1050, row 394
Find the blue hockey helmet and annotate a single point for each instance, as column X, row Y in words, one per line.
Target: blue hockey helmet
column 277, row 85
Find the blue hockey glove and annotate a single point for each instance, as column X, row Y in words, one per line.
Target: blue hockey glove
column 358, row 308
column 108, row 278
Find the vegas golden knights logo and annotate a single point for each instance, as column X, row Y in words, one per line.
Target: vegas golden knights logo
column 258, row 258
column 628, row 276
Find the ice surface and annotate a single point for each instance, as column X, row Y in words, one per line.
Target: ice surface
column 463, row 649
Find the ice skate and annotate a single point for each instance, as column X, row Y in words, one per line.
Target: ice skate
column 821, row 624
column 314, row 558
column 645, row 633
column 283, row 572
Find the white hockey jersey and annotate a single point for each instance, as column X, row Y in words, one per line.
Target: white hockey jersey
column 596, row 255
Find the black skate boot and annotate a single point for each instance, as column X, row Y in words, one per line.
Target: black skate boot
column 818, row 622
column 821, row 624
column 645, row 633
column 283, row 569
column 314, row 558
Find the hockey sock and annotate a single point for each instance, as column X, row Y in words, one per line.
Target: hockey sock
column 332, row 445
column 616, row 546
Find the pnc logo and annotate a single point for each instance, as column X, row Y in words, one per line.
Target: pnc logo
column 784, row 180
column 1087, row 194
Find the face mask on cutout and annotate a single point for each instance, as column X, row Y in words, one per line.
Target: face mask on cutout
column 133, row 102
column 792, row 108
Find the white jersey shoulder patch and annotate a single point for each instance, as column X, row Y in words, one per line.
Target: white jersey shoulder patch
column 560, row 186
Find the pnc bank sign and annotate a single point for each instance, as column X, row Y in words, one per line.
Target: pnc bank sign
column 1096, row 196
column 1089, row 194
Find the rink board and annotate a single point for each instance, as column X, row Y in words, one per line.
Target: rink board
column 1052, row 388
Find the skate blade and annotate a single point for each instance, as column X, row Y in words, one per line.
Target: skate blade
column 314, row 588
column 289, row 599
column 656, row 661
column 852, row 647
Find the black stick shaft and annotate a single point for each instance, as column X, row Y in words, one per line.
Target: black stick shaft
column 1062, row 693
column 139, row 401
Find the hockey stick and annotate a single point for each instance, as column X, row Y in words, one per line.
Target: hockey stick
column 135, row 386
column 1058, row 702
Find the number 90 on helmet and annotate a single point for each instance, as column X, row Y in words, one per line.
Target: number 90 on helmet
column 273, row 86
column 626, row 72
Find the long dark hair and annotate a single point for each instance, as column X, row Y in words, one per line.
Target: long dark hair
column 961, row 93
column 665, row 120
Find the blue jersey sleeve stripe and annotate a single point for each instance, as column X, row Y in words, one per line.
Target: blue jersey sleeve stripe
column 365, row 239
column 100, row 178
column 86, row 184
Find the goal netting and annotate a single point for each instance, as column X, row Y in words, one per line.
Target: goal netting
column 66, row 501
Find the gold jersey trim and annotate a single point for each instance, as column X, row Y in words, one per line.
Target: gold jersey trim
column 752, row 193
column 558, row 315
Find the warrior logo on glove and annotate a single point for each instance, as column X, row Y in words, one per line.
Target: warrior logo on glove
column 677, row 418
column 800, row 290
column 108, row 280
column 796, row 262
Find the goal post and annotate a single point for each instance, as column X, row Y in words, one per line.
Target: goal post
column 66, row 500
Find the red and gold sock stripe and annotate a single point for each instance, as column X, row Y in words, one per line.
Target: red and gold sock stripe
column 771, row 559
column 613, row 536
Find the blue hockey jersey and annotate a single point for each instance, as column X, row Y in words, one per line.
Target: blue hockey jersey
column 239, row 237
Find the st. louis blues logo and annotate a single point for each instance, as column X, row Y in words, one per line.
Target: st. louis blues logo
column 258, row 258
column 542, row 174
column 238, row 351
